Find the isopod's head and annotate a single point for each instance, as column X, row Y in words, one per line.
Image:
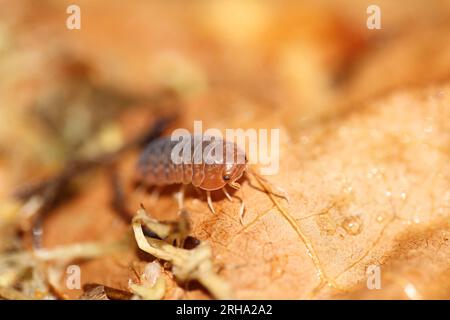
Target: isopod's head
column 226, row 172
column 232, row 173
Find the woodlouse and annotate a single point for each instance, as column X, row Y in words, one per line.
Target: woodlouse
column 156, row 166
column 205, row 166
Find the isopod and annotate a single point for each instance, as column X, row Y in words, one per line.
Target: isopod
column 209, row 172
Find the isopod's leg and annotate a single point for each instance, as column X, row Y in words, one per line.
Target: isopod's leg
column 208, row 199
column 237, row 186
column 241, row 212
column 241, row 199
column 180, row 198
column 227, row 194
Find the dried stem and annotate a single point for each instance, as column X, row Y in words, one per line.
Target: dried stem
column 187, row 264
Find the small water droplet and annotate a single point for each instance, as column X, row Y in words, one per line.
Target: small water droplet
column 380, row 218
column 352, row 225
column 388, row 193
column 403, row 195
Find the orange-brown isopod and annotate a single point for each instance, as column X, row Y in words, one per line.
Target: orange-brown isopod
column 209, row 164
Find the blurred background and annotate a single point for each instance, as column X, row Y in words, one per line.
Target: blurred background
column 230, row 62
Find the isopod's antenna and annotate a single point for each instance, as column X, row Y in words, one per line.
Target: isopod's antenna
column 267, row 186
column 225, row 192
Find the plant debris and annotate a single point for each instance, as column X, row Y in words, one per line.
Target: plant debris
column 195, row 264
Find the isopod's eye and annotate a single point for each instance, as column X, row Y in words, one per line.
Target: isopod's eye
column 226, row 177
